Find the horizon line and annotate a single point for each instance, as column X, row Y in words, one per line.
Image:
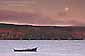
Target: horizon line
column 36, row 24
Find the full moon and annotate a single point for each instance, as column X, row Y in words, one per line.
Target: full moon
column 66, row 9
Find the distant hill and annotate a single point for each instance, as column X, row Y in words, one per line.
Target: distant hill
column 29, row 32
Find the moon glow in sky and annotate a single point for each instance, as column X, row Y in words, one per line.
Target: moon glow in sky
column 43, row 12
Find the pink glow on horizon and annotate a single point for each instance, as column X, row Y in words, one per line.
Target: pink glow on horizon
column 33, row 24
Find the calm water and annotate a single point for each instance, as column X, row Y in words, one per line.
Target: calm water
column 45, row 47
